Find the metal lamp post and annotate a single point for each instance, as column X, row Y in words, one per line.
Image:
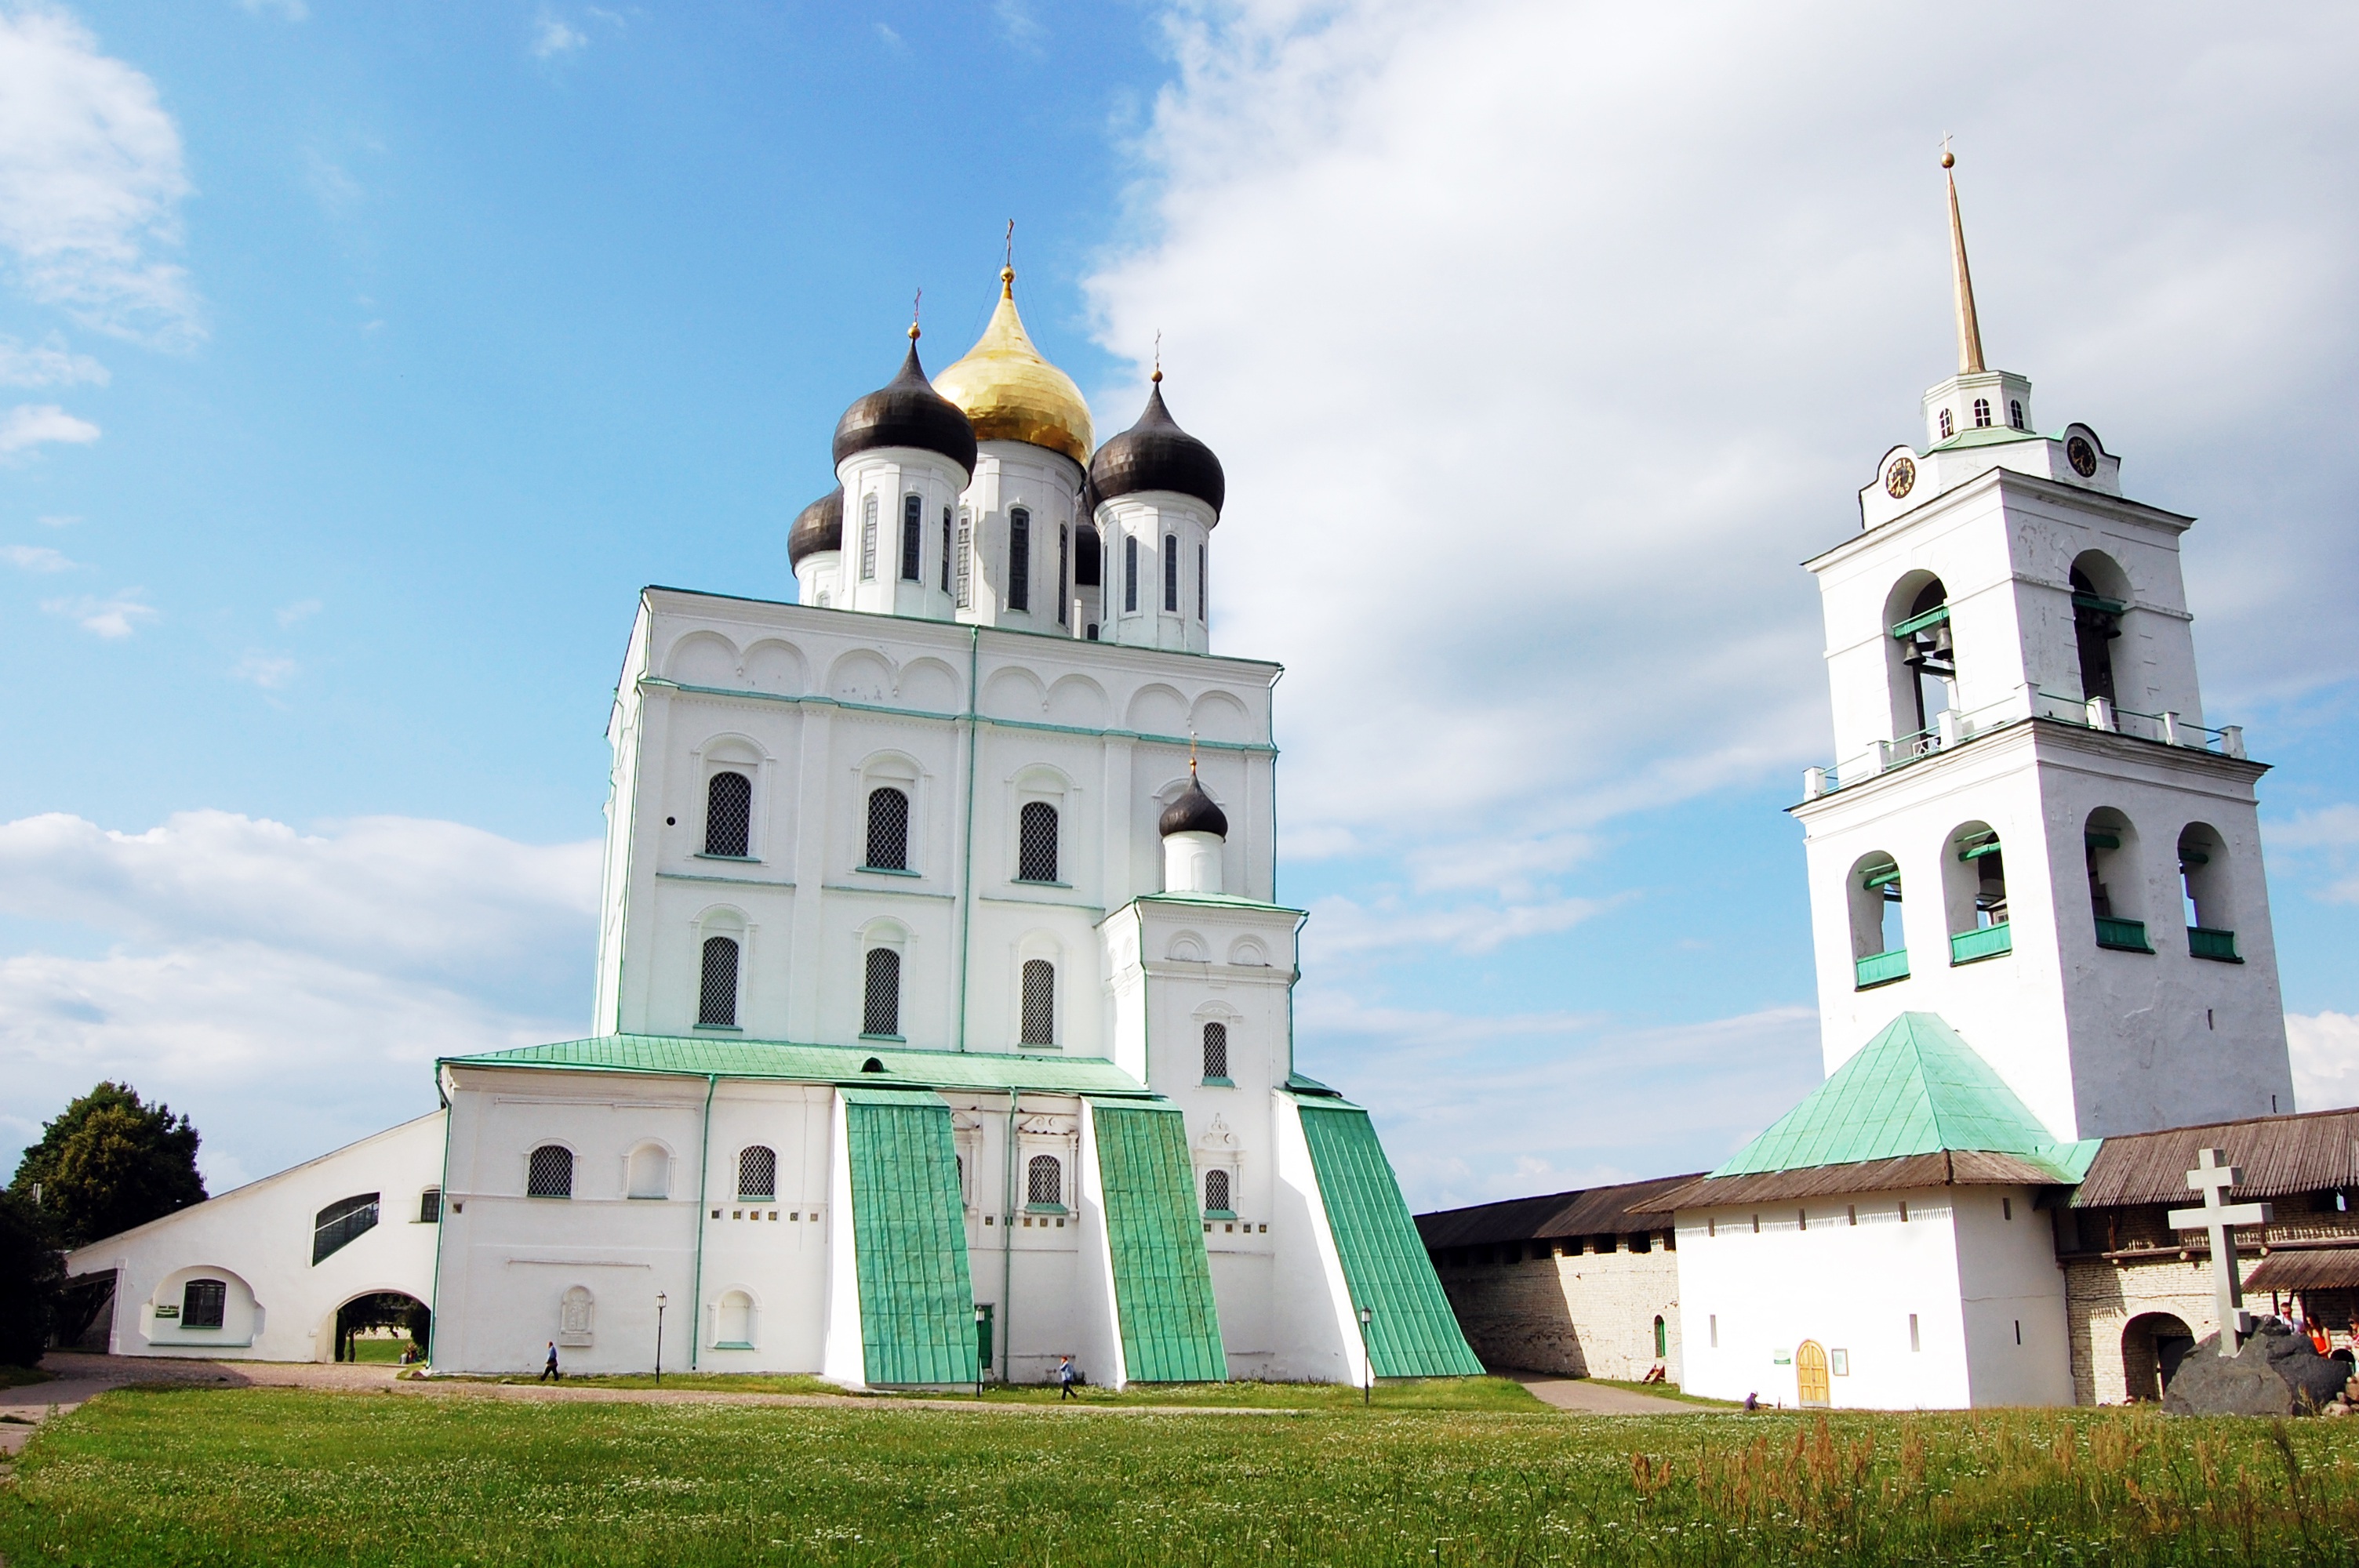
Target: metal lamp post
column 1367, row 1389
column 661, row 1299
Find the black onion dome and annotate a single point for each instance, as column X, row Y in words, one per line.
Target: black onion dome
column 818, row 528
column 907, row 412
column 1193, row 812
column 1155, row 454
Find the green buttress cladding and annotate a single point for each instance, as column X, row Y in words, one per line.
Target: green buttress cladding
column 908, row 1230
column 1162, row 1278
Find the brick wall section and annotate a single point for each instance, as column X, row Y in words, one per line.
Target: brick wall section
column 1583, row 1314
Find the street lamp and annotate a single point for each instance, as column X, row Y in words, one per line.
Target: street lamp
column 661, row 1299
column 1368, row 1389
column 980, row 1316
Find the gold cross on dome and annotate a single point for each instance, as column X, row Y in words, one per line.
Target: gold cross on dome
column 2213, row 1176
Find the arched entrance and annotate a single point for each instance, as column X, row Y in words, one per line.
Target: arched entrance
column 2153, row 1345
column 1811, row 1388
column 384, row 1326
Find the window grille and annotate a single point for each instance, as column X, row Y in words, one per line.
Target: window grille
column 1200, row 583
column 1036, row 850
column 867, row 538
column 965, row 558
column 202, row 1302
column 1064, row 551
column 880, row 1010
column 912, row 536
column 946, row 550
column 430, row 1206
column 340, row 1222
column 1130, row 571
column 1981, row 412
column 1044, row 1182
column 1948, row 425
column 1216, row 1050
column 728, row 814
column 716, row 997
column 888, row 830
column 2014, row 412
column 550, row 1174
column 1171, row 573
column 757, row 1174
column 1019, row 559
column 1216, row 1192
column 1040, row 1002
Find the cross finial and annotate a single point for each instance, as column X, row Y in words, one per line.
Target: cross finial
column 1191, row 756
column 914, row 307
column 1007, row 268
column 1157, row 376
column 1970, row 330
column 1949, row 160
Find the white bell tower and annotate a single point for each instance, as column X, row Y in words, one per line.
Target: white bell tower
column 2029, row 829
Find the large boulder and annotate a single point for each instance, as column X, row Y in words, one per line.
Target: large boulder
column 2277, row 1372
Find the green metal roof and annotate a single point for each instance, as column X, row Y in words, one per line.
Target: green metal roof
column 698, row 1055
column 1412, row 1332
column 1162, row 1280
column 909, row 1238
column 1916, row 1089
column 1223, row 901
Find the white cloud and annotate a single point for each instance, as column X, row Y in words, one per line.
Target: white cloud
column 1343, row 927
column 91, row 182
column 47, row 364
column 552, row 37
column 59, row 520
column 2325, row 1047
column 290, row 990
column 113, row 617
column 30, row 426
column 292, row 10
column 301, row 610
column 34, row 558
column 269, row 671
column 892, row 39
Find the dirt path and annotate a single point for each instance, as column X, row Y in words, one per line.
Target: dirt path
column 1581, row 1397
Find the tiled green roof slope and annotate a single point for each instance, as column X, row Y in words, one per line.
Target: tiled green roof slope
column 909, row 1236
column 695, row 1056
column 1916, row 1089
column 1413, row 1333
column 1162, row 1280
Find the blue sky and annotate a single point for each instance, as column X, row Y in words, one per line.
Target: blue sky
column 361, row 362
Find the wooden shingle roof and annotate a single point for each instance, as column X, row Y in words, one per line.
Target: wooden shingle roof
column 2314, row 1152
column 1587, row 1211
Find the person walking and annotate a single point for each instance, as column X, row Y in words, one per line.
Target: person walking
column 1066, row 1377
column 549, row 1373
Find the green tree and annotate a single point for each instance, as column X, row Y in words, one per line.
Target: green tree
column 108, row 1162
column 31, row 1270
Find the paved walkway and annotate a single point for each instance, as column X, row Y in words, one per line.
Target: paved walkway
column 1583, row 1397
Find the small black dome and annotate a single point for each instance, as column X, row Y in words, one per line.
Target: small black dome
column 818, row 527
column 1155, row 454
column 907, row 412
column 1193, row 812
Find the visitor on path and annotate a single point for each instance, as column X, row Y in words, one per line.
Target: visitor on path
column 549, row 1373
column 1752, row 1401
column 1066, row 1377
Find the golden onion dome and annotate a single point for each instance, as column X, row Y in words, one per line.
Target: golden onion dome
column 1011, row 393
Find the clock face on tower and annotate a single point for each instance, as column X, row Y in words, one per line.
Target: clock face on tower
column 2081, row 456
column 1900, row 478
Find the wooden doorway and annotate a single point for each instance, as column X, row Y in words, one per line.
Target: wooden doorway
column 1810, row 1390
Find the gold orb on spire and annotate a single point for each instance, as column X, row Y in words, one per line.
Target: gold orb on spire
column 1011, row 393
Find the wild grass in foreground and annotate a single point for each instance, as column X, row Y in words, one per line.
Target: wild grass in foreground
column 154, row 1475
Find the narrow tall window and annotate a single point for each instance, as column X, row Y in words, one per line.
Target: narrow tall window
column 549, row 1174
column 946, row 550
column 340, row 1222
column 1982, row 413
column 758, row 1173
column 1130, row 571
column 1662, row 1339
column 1019, row 559
column 203, row 1304
column 1036, row 843
column 1040, row 1002
column 1948, row 425
column 1171, row 573
column 888, row 830
column 965, row 558
column 1216, row 1051
column 2015, row 413
column 1064, row 557
column 1200, row 583
column 2096, row 624
column 1216, row 1192
column 867, row 538
column 880, row 1010
column 1044, row 1182
column 716, row 992
column 430, row 1206
column 913, row 511
column 728, row 814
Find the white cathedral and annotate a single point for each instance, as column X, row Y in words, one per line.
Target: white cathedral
column 943, row 1009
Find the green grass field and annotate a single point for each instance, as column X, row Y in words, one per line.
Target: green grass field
column 238, row 1475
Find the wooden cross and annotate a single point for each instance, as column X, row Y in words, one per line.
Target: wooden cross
column 2213, row 1176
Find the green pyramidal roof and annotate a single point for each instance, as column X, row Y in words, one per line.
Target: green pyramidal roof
column 1916, row 1089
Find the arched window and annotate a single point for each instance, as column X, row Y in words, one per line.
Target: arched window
column 1044, row 1182
column 650, row 1172
column 1019, row 559
column 1036, row 842
column 1064, row 552
column 913, row 544
column 1982, row 413
column 733, row 1322
column 2014, row 413
column 888, row 830
column 1975, row 883
column 728, row 814
column 1040, row 1002
column 340, row 1222
column 1929, row 658
column 1216, row 1195
column 1948, row 425
column 203, row 1304
column 867, row 538
column 2096, row 623
column 758, row 1173
column 1130, row 571
column 965, row 558
column 1880, row 950
column 880, row 1002
column 946, row 550
column 430, row 1206
column 1200, row 582
column 1216, row 1051
column 2203, row 876
column 1662, row 1338
column 2116, row 886
column 716, row 991
column 549, row 1174
column 1171, row 573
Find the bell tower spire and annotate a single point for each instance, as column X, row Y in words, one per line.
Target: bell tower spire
column 1970, row 330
